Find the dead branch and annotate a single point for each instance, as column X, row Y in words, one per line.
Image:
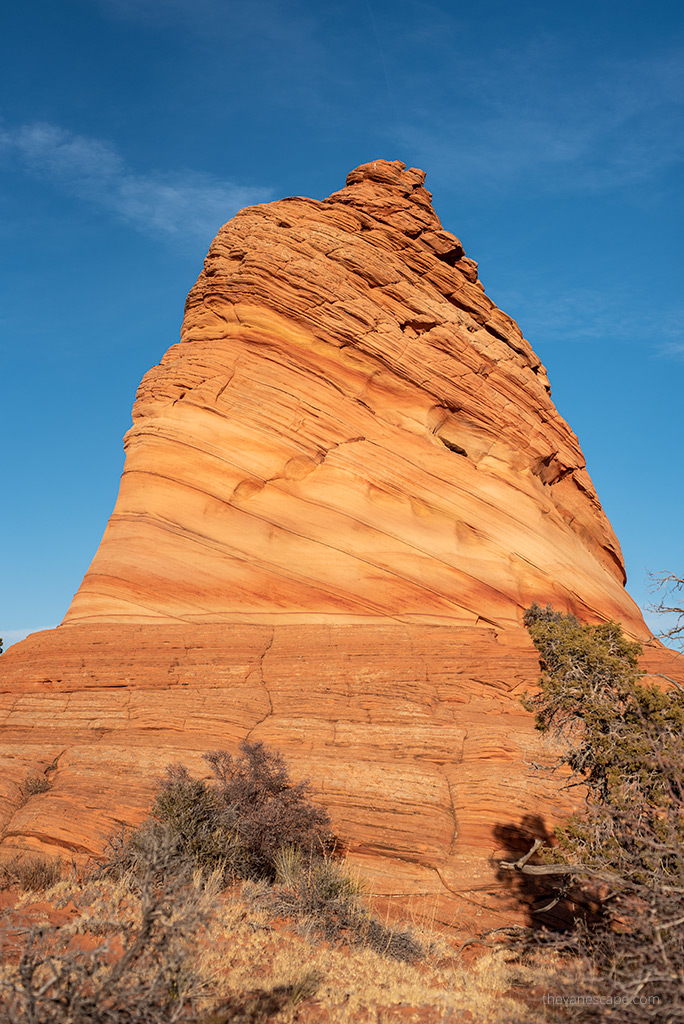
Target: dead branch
column 542, row 869
column 669, row 679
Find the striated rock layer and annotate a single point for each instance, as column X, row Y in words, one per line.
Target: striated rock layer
column 349, row 427
column 413, row 736
column 341, row 489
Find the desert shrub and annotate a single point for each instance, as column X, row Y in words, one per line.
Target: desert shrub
column 589, row 694
column 245, row 816
column 623, row 738
column 236, row 822
column 625, row 745
column 34, row 784
column 251, row 822
column 266, row 810
column 187, row 820
column 32, row 873
column 142, row 974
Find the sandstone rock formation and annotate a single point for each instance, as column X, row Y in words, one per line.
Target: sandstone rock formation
column 341, row 490
column 349, row 427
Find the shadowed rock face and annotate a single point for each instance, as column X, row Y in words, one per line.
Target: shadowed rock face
column 341, row 489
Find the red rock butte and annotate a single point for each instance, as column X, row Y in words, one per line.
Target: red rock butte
column 341, row 490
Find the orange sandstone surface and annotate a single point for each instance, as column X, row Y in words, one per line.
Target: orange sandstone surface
column 349, row 429
column 341, row 490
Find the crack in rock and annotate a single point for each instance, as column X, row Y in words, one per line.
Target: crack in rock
column 259, row 670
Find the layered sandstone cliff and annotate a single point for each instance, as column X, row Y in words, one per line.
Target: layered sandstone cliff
column 349, row 427
column 341, row 490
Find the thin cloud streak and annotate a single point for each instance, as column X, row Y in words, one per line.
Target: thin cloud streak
column 13, row 636
column 530, row 116
column 184, row 204
column 672, row 349
column 587, row 314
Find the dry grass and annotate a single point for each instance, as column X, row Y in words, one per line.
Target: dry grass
column 248, row 967
column 30, row 873
column 34, row 784
column 153, row 936
column 356, row 985
column 123, row 955
column 326, row 900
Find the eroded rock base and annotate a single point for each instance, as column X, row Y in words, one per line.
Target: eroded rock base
column 413, row 738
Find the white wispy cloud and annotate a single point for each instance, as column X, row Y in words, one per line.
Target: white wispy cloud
column 475, row 110
column 13, row 636
column 672, row 349
column 534, row 114
column 172, row 203
column 583, row 314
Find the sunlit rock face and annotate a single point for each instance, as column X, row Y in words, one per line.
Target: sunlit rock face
column 341, row 490
column 350, row 428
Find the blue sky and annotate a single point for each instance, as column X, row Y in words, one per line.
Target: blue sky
column 130, row 130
